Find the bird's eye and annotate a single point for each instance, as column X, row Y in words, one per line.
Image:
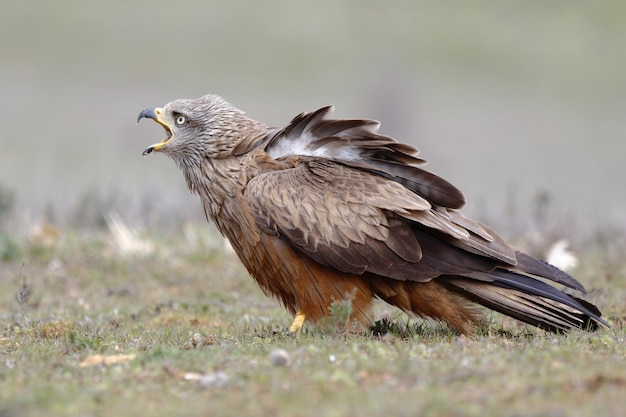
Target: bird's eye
column 181, row 120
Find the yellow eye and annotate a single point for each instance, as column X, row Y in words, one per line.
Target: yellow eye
column 181, row 120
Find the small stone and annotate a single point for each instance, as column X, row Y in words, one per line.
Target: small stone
column 279, row 357
column 217, row 379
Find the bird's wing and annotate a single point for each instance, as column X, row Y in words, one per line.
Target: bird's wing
column 357, row 221
column 356, row 142
column 356, row 201
column 357, row 183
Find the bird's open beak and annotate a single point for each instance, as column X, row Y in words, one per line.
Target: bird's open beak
column 155, row 114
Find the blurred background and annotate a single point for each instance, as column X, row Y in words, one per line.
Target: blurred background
column 522, row 104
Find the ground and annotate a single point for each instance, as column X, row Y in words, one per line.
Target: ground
column 173, row 325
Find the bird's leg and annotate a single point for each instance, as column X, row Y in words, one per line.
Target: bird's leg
column 298, row 322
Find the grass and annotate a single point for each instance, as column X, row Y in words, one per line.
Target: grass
column 184, row 331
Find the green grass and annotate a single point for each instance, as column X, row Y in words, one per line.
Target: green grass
column 203, row 338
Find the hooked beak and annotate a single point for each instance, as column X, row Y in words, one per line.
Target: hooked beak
column 155, row 113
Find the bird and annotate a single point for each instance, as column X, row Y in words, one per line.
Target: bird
column 324, row 211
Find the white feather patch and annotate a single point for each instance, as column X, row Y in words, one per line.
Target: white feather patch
column 302, row 146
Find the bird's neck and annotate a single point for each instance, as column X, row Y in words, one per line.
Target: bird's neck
column 220, row 183
column 216, row 181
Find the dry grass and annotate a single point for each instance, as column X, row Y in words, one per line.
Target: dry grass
column 184, row 331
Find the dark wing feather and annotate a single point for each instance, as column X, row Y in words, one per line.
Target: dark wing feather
column 356, row 142
column 530, row 265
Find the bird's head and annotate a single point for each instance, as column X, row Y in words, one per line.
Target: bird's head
column 195, row 128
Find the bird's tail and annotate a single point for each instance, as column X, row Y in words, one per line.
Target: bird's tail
column 527, row 299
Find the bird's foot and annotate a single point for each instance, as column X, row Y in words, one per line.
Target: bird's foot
column 298, row 322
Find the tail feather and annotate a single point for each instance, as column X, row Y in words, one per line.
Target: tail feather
column 527, row 299
column 529, row 285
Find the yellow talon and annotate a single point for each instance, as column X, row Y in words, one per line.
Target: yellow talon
column 298, row 322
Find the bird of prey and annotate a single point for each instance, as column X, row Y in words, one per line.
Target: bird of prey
column 327, row 210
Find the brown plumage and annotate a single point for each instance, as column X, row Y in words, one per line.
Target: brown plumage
column 325, row 209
